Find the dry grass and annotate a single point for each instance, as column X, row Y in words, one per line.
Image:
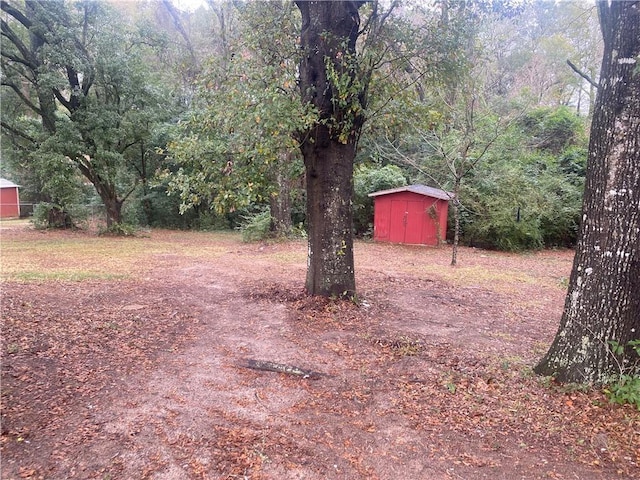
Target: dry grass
column 60, row 256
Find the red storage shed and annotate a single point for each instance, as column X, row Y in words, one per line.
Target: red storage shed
column 415, row 214
column 9, row 199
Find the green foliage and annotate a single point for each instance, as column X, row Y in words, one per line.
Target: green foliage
column 347, row 84
column 50, row 215
column 520, row 205
column 119, row 230
column 573, row 163
column 552, row 129
column 523, row 197
column 625, row 387
column 93, row 95
column 368, row 179
column 54, row 177
column 240, row 136
column 256, row 226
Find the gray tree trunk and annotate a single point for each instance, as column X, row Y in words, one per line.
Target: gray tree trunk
column 603, row 301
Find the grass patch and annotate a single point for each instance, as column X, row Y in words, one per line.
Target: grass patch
column 483, row 276
column 58, row 276
column 490, row 278
column 78, row 256
column 288, row 257
column 14, row 223
column 72, row 258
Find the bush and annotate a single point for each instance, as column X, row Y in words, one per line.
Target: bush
column 552, row 130
column 506, row 207
column 366, row 180
column 50, row 215
column 119, row 230
column 522, row 204
column 625, row 388
column 160, row 210
column 256, row 226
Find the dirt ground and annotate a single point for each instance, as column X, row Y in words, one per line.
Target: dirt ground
column 139, row 371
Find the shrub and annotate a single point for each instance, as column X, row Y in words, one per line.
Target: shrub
column 119, row 230
column 50, row 215
column 625, row 387
column 552, row 130
column 256, row 226
column 521, row 204
column 366, row 180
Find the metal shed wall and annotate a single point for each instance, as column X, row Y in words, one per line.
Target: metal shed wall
column 9, row 200
column 410, row 218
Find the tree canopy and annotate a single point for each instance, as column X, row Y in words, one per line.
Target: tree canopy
column 82, row 94
column 207, row 106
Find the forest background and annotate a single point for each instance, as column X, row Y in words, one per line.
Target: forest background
column 192, row 119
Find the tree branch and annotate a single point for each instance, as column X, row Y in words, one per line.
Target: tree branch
column 9, row 67
column 65, row 103
column 582, row 74
column 135, row 185
column 386, row 15
column 16, row 59
column 178, row 24
column 17, row 132
column 15, row 40
column 23, row 97
column 15, row 13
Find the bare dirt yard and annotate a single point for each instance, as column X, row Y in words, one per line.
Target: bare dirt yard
column 128, row 358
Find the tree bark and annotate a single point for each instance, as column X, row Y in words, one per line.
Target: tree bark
column 603, row 301
column 329, row 175
column 280, row 202
column 328, row 39
column 113, row 208
column 456, row 220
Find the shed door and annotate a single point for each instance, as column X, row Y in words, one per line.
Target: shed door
column 398, row 221
column 406, row 221
column 415, row 222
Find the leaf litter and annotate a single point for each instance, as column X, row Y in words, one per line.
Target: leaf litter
column 140, row 378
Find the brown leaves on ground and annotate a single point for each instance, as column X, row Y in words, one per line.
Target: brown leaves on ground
column 493, row 403
column 426, row 375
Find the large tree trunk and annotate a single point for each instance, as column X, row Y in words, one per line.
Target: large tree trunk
column 105, row 189
column 113, row 208
column 328, row 39
column 329, row 175
column 603, row 302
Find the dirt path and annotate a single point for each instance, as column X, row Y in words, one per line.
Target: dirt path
column 425, row 378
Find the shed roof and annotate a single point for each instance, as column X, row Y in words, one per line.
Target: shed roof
column 4, row 183
column 419, row 189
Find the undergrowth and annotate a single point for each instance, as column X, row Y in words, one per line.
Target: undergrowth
column 119, row 230
column 624, row 388
column 259, row 226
